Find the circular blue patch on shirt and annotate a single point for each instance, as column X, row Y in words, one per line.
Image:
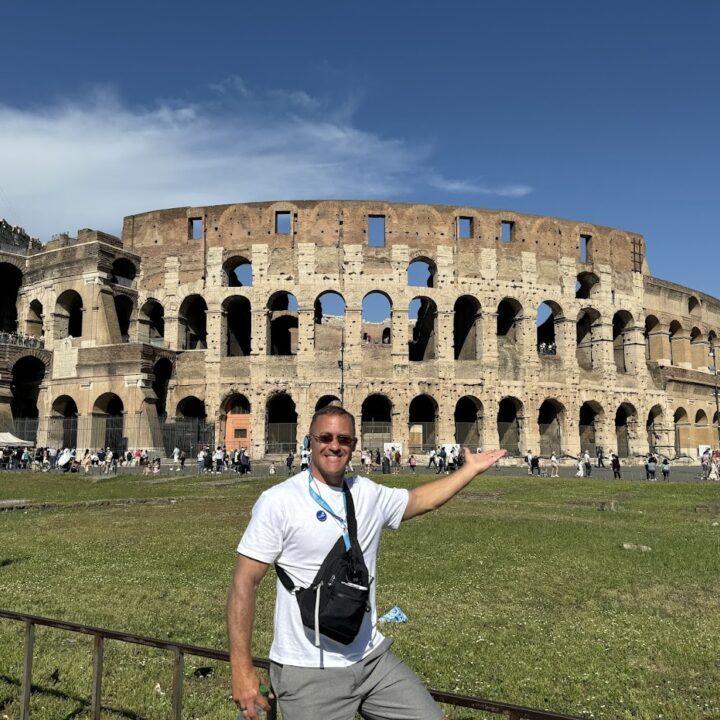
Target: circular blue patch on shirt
column 321, row 516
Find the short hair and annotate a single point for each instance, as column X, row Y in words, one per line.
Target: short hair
column 333, row 410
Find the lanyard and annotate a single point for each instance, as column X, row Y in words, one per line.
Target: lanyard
column 315, row 495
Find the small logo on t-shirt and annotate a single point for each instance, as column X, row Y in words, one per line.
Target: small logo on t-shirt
column 321, row 516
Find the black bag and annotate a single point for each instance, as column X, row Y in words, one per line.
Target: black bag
column 336, row 602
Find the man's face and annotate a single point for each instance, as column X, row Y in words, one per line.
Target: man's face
column 330, row 459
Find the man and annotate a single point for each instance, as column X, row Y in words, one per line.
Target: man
column 288, row 526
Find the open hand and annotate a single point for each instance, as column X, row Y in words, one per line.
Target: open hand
column 480, row 462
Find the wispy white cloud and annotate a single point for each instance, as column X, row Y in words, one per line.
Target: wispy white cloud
column 88, row 162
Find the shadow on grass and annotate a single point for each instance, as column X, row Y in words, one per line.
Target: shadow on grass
column 83, row 703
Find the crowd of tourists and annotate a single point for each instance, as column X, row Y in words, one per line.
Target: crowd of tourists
column 13, row 338
column 217, row 461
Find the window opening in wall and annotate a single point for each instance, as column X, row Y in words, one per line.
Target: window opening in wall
column 465, row 228
column 195, row 228
column 585, row 245
column 376, row 320
column 422, row 316
column 545, row 330
column 376, row 230
column 282, row 223
column 506, row 230
column 637, row 255
column 421, row 273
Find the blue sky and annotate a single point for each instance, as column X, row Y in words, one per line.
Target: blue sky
column 605, row 112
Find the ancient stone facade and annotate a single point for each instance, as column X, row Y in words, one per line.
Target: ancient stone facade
column 232, row 324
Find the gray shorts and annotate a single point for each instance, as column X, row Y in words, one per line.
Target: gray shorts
column 380, row 687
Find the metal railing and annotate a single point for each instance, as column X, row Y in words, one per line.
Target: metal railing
column 180, row 650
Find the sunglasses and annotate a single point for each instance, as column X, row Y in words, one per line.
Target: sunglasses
column 327, row 438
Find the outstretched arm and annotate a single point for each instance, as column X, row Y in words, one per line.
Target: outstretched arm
column 436, row 493
column 240, row 618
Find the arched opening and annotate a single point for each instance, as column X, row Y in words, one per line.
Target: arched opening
column 469, row 422
column 702, row 429
column 467, row 328
column 421, row 273
column 508, row 321
column 152, row 323
column 509, row 420
column 550, row 421
column 422, row 420
column 238, row 422
column 422, row 314
column 108, row 427
column 10, row 282
column 681, row 423
column 329, row 322
column 34, row 323
column 27, row 375
column 622, row 324
column 237, row 272
column 326, row 400
column 587, row 333
column 281, row 424
column 586, row 285
column 376, row 422
column 653, row 341
column 698, row 349
column 63, row 425
column 589, row 420
column 282, row 324
column 693, row 305
column 69, row 315
column 549, row 314
column 376, row 320
column 677, row 351
column 237, row 319
column 162, row 372
column 190, row 429
column 653, row 427
column 192, row 320
column 624, row 419
column 124, row 308
column 123, row 272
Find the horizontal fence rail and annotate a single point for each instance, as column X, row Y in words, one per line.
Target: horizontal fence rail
column 180, row 650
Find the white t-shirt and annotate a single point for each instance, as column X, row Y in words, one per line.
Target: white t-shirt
column 286, row 527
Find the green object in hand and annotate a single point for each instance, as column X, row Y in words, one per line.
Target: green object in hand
column 264, row 690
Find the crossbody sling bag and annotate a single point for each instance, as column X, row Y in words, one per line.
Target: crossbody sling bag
column 336, row 602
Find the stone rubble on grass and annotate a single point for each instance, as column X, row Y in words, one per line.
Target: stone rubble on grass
column 633, row 546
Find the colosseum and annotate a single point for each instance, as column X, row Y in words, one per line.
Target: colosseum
column 431, row 324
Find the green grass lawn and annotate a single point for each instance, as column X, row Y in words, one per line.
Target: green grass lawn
column 519, row 590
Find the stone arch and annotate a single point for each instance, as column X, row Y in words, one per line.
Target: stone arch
column 191, row 406
column 591, row 415
column 329, row 322
column 281, row 424
column 588, row 335
column 469, row 422
column 123, row 272
column 162, row 373
column 152, row 322
column 63, row 423
column 586, row 285
column 282, row 330
column 108, row 423
column 236, row 326
column 26, row 377
column 551, row 419
column 237, row 418
column 509, row 425
column 467, row 328
column 11, row 278
column 422, row 423
column 376, row 421
column 421, row 272
column 653, row 339
column 377, row 312
column 192, row 321
column 698, row 349
column 625, row 420
column 34, row 323
column 423, row 335
column 622, row 324
column 693, row 305
column 237, row 272
column 124, row 307
column 509, row 313
column 653, row 428
column 69, row 315
column 681, row 423
column 549, row 315
column 678, row 343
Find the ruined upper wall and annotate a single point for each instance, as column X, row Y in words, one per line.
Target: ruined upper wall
column 669, row 301
column 14, row 238
column 331, row 224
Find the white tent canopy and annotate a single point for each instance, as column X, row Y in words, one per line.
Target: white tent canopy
column 9, row 440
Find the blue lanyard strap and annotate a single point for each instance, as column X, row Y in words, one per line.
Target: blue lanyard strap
column 321, row 502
